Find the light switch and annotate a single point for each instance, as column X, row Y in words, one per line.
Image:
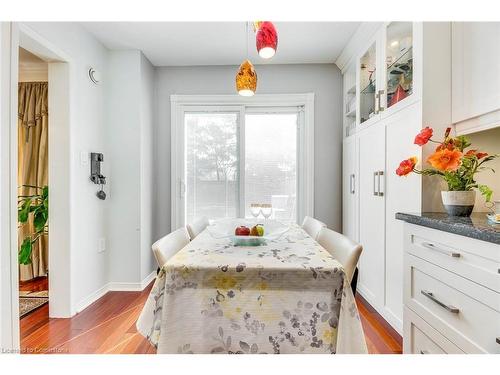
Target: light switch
column 84, row 158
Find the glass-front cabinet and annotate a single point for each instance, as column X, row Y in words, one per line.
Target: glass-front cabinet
column 368, row 105
column 383, row 74
column 398, row 62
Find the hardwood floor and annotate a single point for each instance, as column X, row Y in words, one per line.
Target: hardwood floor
column 108, row 326
column 35, row 285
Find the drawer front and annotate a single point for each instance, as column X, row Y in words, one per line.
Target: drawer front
column 421, row 338
column 464, row 312
column 465, row 258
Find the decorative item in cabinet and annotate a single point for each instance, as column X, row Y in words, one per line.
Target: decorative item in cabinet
column 350, row 111
column 367, row 84
column 399, row 61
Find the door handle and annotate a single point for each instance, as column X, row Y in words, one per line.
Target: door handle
column 375, row 192
column 380, row 174
column 380, row 93
column 450, row 308
column 431, row 246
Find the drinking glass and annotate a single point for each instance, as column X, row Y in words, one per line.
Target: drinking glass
column 255, row 209
column 267, row 210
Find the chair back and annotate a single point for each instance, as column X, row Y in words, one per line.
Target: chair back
column 168, row 246
column 343, row 249
column 312, row 226
column 197, row 227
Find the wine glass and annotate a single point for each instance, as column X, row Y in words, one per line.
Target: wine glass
column 267, row 210
column 255, row 209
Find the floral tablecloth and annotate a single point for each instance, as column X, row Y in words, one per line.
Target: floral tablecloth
column 288, row 296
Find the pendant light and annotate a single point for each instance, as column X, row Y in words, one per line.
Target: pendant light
column 246, row 78
column 266, row 39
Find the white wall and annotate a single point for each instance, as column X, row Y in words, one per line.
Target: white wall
column 148, row 92
column 324, row 80
column 129, row 126
column 89, row 270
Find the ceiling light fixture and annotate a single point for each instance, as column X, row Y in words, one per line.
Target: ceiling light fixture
column 246, row 78
column 266, row 39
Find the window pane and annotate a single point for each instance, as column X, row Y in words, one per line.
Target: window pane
column 271, row 163
column 212, row 181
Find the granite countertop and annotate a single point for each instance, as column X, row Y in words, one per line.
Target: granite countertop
column 476, row 226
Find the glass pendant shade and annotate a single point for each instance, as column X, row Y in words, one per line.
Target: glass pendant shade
column 266, row 39
column 246, row 79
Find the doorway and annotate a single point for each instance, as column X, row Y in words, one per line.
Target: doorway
column 33, row 185
column 15, row 36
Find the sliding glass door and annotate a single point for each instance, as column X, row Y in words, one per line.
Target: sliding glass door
column 271, row 163
column 236, row 156
column 212, row 165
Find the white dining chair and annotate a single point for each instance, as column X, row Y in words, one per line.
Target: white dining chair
column 345, row 250
column 168, row 246
column 312, row 226
column 197, row 227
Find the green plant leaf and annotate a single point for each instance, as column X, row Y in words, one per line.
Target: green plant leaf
column 486, row 192
column 39, row 219
column 25, row 253
column 24, row 210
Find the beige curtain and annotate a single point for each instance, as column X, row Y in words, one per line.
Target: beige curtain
column 33, row 163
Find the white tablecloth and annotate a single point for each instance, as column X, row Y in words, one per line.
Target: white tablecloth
column 289, row 296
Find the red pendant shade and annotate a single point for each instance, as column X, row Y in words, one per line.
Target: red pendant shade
column 266, row 40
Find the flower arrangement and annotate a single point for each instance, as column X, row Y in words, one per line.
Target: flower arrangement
column 451, row 161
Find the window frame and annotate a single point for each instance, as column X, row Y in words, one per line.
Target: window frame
column 265, row 103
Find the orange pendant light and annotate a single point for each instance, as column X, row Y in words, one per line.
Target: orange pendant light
column 246, row 79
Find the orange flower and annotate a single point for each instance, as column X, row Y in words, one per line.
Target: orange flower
column 481, row 155
column 406, row 166
column 478, row 155
column 445, row 160
column 423, row 137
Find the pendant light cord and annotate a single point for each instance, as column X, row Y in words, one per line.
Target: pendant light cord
column 247, row 40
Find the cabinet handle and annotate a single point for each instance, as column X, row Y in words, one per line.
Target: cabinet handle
column 352, row 183
column 380, row 93
column 424, row 352
column 450, row 308
column 380, row 174
column 375, row 192
column 498, row 340
column 377, row 103
column 431, row 246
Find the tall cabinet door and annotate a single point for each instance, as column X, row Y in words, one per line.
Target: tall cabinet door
column 349, row 189
column 372, row 214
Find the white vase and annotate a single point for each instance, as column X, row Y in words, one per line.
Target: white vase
column 458, row 203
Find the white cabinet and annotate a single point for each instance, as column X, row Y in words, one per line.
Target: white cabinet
column 475, row 74
column 350, row 189
column 371, row 145
column 442, row 295
column 386, row 138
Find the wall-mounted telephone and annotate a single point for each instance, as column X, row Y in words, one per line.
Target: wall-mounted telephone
column 95, row 173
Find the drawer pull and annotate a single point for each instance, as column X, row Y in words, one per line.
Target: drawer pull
column 424, row 352
column 429, row 295
column 434, row 247
column 498, row 340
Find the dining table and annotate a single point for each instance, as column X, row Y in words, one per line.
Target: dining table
column 287, row 296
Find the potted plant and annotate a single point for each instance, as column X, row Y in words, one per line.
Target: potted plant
column 37, row 205
column 457, row 166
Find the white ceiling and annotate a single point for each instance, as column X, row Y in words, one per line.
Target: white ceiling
column 224, row 43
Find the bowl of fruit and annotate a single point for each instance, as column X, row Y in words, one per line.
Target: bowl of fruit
column 244, row 232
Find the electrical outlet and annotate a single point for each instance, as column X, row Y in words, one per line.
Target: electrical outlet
column 102, row 245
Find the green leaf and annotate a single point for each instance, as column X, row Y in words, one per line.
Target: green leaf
column 25, row 253
column 24, row 210
column 486, row 192
column 39, row 219
column 45, row 192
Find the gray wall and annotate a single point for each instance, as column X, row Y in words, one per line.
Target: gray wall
column 324, row 80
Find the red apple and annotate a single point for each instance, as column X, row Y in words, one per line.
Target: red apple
column 242, row 231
